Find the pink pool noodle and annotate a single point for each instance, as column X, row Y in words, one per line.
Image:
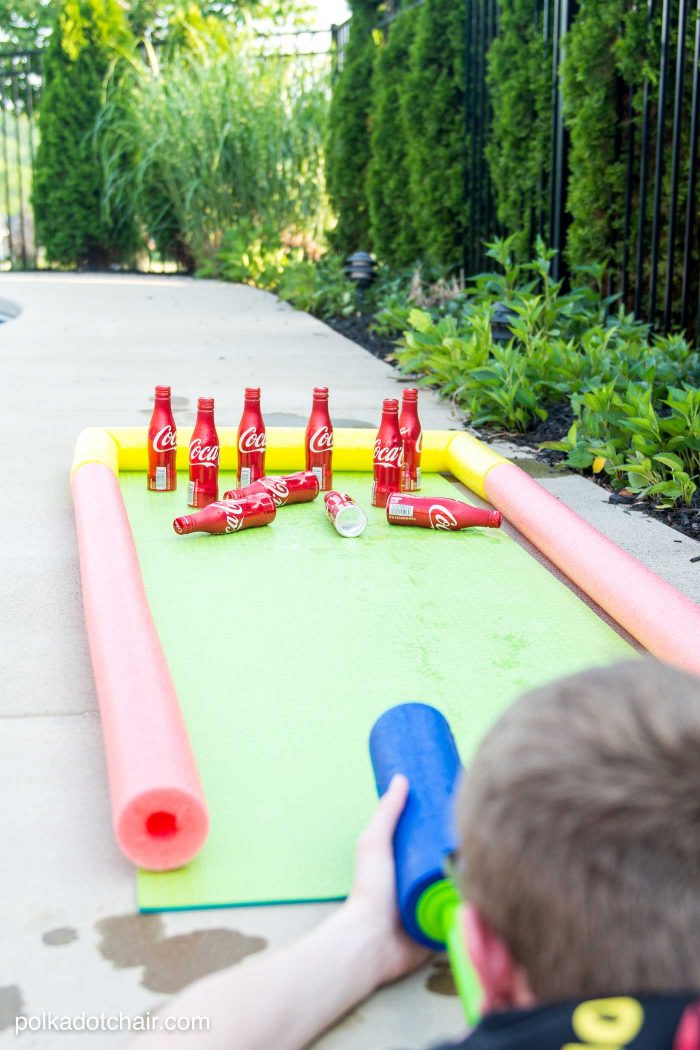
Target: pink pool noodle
column 651, row 610
column 158, row 808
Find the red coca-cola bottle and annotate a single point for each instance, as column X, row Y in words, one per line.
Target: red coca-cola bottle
column 436, row 512
column 301, row 487
column 229, row 515
column 319, row 440
column 388, row 454
column 162, row 444
column 412, row 438
column 251, row 440
column 203, row 488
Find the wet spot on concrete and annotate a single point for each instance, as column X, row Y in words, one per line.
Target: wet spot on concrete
column 538, row 469
column 11, row 1004
column 128, row 939
column 440, row 979
column 61, row 935
column 171, row 963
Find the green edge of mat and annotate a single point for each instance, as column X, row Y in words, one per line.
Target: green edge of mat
column 287, row 642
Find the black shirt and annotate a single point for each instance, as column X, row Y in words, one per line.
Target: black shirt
column 648, row 1022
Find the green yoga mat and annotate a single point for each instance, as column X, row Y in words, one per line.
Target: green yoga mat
column 287, row 642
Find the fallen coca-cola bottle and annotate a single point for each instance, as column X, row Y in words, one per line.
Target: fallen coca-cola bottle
column 301, row 487
column 346, row 516
column 434, row 512
column 229, row 515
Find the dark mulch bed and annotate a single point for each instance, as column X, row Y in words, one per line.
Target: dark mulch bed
column 356, row 327
column 683, row 519
column 559, row 418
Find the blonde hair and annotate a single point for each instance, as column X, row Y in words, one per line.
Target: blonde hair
column 580, row 832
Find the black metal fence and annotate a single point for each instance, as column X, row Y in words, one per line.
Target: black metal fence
column 656, row 141
column 21, row 77
column 642, row 269
column 340, row 35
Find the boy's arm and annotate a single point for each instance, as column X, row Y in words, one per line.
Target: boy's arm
column 286, row 998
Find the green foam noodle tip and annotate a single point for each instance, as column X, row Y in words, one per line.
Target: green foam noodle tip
column 435, row 909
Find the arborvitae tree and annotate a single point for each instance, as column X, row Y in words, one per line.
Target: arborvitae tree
column 347, row 146
column 592, row 103
column 68, row 178
column 391, row 215
column 434, row 108
column 518, row 150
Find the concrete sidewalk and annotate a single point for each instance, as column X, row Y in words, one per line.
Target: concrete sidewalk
column 88, row 350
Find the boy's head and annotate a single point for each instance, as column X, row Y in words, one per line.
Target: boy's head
column 579, row 823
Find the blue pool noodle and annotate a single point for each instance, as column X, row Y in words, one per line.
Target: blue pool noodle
column 416, row 740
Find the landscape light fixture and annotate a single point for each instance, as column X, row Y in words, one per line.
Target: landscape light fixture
column 501, row 320
column 360, row 267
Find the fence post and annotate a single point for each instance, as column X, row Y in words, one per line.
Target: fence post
column 659, row 162
column 564, row 13
column 6, row 162
column 692, row 181
column 643, row 181
column 18, row 161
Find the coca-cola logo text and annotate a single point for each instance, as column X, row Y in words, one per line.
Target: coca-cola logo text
column 165, row 440
column 204, row 455
column 441, row 518
column 278, row 489
column 392, row 455
column 321, row 440
column 234, row 515
column 251, row 440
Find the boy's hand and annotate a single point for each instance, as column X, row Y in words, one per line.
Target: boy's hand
column 372, row 899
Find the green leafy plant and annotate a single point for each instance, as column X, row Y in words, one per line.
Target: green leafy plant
column 655, row 454
column 320, row 288
column 634, row 395
column 222, row 141
column 254, row 255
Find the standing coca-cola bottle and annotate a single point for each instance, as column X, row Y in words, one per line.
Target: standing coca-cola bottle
column 162, row 444
column 412, row 438
column 319, row 440
column 203, row 488
column 388, row 454
column 251, row 440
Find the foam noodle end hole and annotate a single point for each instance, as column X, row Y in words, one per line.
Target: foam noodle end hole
column 161, row 825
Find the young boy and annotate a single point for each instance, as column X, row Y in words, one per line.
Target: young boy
column 579, row 824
